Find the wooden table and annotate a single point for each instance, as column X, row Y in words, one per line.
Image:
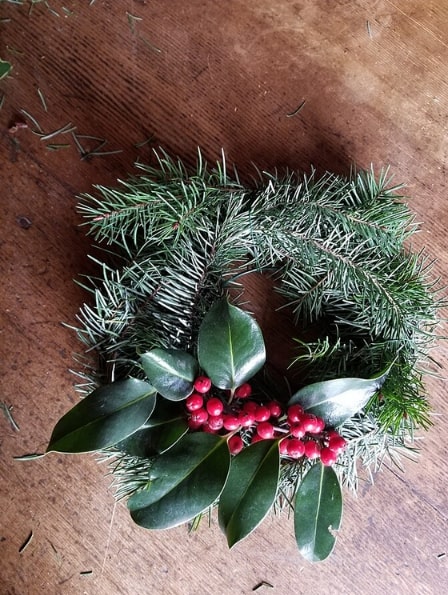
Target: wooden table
column 373, row 76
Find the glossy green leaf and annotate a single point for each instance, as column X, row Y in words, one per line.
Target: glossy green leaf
column 160, row 432
column 317, row 512
column 339, row 399
column 5, row 68
column 250, row 489
column 184, row 481
column 230, row 345
column 171, row 372
column 106, row 416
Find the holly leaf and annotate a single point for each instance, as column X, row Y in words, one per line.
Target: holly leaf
column 184, row 481
column 337, row 400
column 250, row 490
column 171, row 372
column 230, row 345
column 317, row 512
column 109, row 414
column 160, row 432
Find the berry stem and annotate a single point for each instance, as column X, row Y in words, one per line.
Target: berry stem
column 232, row 394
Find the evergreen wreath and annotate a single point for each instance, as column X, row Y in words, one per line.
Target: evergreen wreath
column 183, row 404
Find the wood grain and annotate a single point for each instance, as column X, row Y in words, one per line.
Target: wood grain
column 374, row 78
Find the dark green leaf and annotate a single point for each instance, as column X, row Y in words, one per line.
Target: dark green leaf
column 171, row 372
column 250, row 489
column 184, row 481
column 106, row 416
column 339, row 399
column 160, row 432
column 317, row 512
column 5, row 68
column 230, row 345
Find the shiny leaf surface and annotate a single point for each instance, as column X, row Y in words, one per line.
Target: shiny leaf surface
column 230, row 345
column 317, row 512
column 339, row 399
column 250, row 490
column 108, row 415
column 170, row 371
column 161, row 431
column 184, row 481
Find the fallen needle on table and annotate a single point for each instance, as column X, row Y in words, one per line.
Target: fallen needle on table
column 26, row 543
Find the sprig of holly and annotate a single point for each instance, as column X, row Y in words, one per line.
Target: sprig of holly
column 211, row 440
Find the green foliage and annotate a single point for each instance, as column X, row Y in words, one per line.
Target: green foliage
column 339, row 399
column 160, row 432
column 317, row 513
column 175, row 242
column 250, row 490
column 171, row 372
column 183, row 482
column 230, row 346
column 5, row 68
column 109, row 414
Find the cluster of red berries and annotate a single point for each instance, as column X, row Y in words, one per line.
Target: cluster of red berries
column 300, row 434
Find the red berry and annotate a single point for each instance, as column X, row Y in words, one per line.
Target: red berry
column 296, row 448
column 250, row 406
column 274, row 408
column 309, row 423
column 262, row 413
column 331, row 433
column 202, row 384
column 194, row 402
column 283, row 446
column 230, row 422
column 214, row 406
column 243, row 391
column 215, row 422
column 235, row 444
column 319, row 425
column 297, row 430
column 200, row 416
column 194, row 425
column 265, row 430
column 256, row 438
column 207, row 428
column 312, row 449
column 328, row 456
column 295, row 413
column 246, row 419
column 337, row 444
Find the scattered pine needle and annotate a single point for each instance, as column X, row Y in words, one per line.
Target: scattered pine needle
column 297, row 110
column 26, row 543
column 262, row 584
column 144, row 142
column 42, row 99
column 132, row 20
column 7, row 411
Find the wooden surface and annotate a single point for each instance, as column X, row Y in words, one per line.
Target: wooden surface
column 220, row 75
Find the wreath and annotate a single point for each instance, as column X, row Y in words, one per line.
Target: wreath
column 182, row 402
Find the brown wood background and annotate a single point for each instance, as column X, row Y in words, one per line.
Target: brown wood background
column 218, row 75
